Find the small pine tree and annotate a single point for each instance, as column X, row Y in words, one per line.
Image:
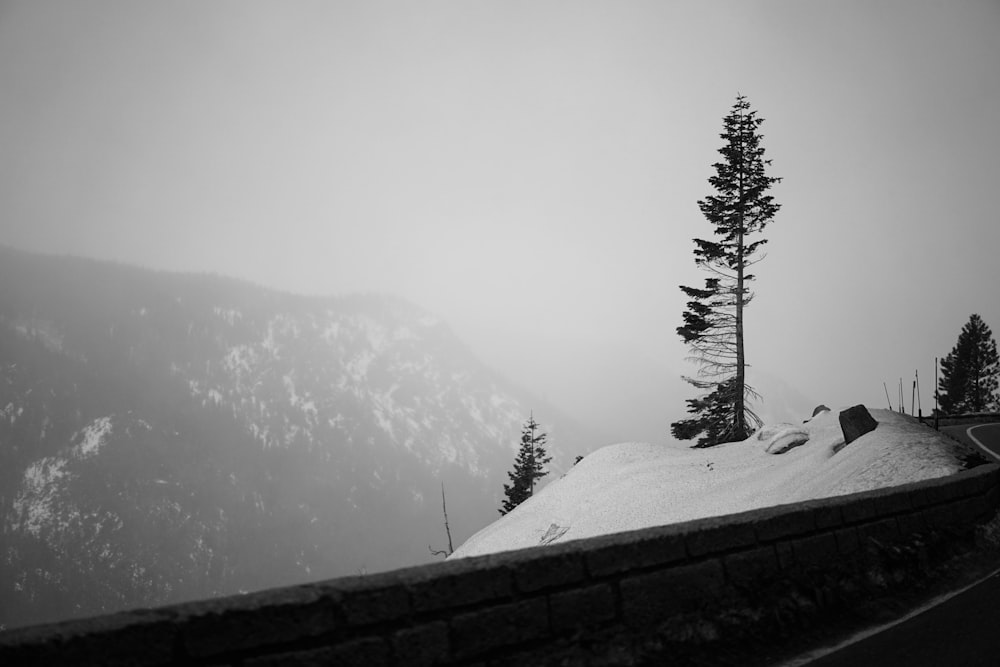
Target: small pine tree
column 528, row 467
column 969, row 373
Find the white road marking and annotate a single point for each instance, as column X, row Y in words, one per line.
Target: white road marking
column 981, row 446
column 806, row 658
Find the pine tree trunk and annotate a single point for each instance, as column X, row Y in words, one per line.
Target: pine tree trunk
column 531, row 459
column 739, row 422
column 976, row 392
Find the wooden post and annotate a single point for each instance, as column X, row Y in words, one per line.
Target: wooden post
column 936, row 411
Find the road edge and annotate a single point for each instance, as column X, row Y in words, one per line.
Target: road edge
column 806, row 658
column 968, row 433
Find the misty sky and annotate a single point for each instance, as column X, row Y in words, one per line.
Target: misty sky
column 530, row 171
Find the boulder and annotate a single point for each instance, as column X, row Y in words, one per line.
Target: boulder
column 855, row 422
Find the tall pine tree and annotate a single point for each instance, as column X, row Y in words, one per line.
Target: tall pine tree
column 969, row 373
column 529, row 466
column 713, row 322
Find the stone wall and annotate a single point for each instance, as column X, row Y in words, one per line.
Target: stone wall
column 601, row 599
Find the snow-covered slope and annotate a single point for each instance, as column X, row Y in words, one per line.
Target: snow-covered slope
column 636, row 485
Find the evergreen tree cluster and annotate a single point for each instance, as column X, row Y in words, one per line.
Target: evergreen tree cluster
column 713, row 322
column 529, row 466
column 969, row 373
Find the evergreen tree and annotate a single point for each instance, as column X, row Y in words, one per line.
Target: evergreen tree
column 528, row 466
column 713, row 322
column 969, row 373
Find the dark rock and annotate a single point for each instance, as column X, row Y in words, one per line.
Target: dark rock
column 855, row 422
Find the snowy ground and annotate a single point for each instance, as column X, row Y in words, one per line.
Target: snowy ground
column 636, row 485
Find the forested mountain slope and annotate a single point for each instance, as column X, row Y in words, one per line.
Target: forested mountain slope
column 170, row 436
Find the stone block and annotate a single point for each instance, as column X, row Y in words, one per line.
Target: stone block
column 972, row 509
column 946, row 489
column 883, row 531
column 422, row 645
column 363, row 602
column 855, row 422
column 582, row 608
column 367, row 652
column 858, row 508
column 131, row 638
column 939, row 517
column 636, row 550
column 889, row 502
column 788, row 521
column 718, row 535
column 549, row 571
column 827, row 515
column 746, row 567
column 847, row 541
column 785, row 554
column 818, row 549
column 649, row 599
column 456, row 584
column 224, row 625
column 485, row 630
column 918, row 496
column 992, row 497
column 911, row 523
column 980, row 479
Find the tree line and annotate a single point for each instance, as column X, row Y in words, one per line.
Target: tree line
column 969, row 372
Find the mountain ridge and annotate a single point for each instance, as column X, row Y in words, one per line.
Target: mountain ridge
column 166, row 436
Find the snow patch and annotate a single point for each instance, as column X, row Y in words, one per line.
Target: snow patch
column 358, row 366
column 239, row 360
column 637, row 485
column 229, row 315
column 11, row 413
column 783, row 437
column 37, row 502
column 92, row 438
column 43, row 331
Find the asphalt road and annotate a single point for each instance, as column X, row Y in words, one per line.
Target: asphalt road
column 961, row 630
column 984, row 436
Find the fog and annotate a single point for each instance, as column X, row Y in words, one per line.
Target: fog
column 529, row 172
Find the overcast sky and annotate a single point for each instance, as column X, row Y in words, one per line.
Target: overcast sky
column 529, row 171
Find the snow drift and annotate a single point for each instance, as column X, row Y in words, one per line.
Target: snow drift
column 636, row 485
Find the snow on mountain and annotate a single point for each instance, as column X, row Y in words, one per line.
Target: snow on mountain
column 170, row 436
column 636, row 485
